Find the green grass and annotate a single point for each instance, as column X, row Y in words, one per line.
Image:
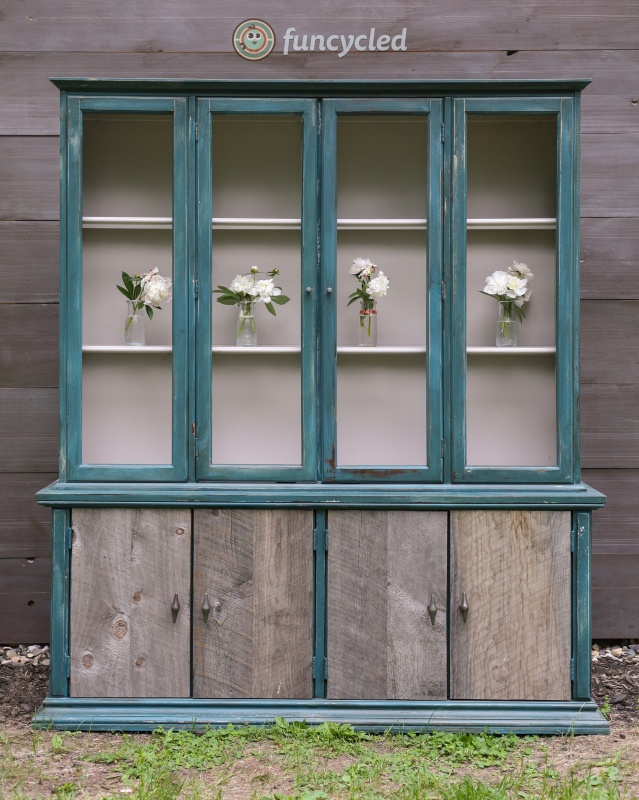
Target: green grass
column 293, row 761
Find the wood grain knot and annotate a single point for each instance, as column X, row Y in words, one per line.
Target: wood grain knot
column 214, row 512
column 139, row 662
column 120, row 629
column 137, row 597
column 179, row 531
column 87, row 660
column 220, row 612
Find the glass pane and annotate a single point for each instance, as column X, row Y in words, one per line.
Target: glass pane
column 511, row 391
column 257, row 189
column 381, row 209
column 127, row 202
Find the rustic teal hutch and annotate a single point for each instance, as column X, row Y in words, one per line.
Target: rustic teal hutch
column 392, row 536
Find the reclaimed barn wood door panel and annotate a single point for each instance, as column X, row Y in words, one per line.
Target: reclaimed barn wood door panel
column 383, row 569
column 256, row 568
column 514, row 569
column 127, row 566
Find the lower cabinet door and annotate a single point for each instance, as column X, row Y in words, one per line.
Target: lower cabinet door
column 510, row 635
column 386, row 618
column 130, row 603
column 253, row 603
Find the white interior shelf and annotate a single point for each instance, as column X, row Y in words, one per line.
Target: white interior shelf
column 129, row 349
column 510, row 351
column 283, row 223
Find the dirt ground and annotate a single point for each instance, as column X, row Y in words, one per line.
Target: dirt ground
column 615, row 688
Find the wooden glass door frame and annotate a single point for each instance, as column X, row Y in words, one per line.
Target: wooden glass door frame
column 432, row 110
column 566, row 470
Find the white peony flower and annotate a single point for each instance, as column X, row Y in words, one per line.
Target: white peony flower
column 519, row 302
column 265, row 290
column 378, row 286
column 520, row 270
column 242, row 284
column 497, row 283
column 363, row 267
column 516, row 287
column 155, row 289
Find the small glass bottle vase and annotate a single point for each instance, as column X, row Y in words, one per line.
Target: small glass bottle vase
column 506, row 324
column 368, row 326
column 134, row 325
column 245, row 334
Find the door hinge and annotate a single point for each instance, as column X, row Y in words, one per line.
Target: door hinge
column 67, row 665
column 315, row 667
column 573, row 669
column 573, row 538
column 70, row 537
column 443, row 290
column 441, row 449
column 197, row 131
column 316, row 538
column 442, row 132
column 195, row 288
column 197, row 452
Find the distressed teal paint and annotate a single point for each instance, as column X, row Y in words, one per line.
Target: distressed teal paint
column 64, row 289
column 582, row 611
column 317, row 495
column 206, row 470
column 374, row 716
column 190, row 289
column 60, row 596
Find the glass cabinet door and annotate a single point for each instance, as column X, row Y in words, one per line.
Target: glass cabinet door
column 381, row 289
column 257, row 272
column 513, row 302
column 127, row 213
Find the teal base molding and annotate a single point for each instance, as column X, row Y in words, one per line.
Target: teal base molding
column 125, row 714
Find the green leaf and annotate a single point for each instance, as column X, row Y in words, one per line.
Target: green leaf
column 124, row 292
column 353, row 300
column 149, row 312
column 270, row 309
column 280, row 299
column 227, row 300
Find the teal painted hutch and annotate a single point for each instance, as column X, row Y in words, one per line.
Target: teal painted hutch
column 392, row 536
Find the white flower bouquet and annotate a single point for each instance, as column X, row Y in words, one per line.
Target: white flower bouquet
column 146, row 291
column 511, row 287
column 248, row 289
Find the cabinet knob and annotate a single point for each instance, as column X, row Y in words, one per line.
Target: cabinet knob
column 175, row 607
column 330, row 290
column 432, row 609
column 463, row 607
column 308, row 290
column 206, row 608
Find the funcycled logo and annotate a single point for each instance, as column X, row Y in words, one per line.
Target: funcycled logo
column 253, row 39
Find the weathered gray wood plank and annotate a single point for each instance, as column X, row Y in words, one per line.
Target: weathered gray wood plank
column 610, row 342
column 514, row 567
column 609, row 258
column 25, row 586
column 609, row 426
column 609, row 164
column 127, row 566
column 257, row 569
column 29, row 266
column 25, row 526
column 30, row 101
column 447, row 26
column 383, row 567
column 615, row 596
column 29, row 180
column 29, row 430
column 29, row 345
column 615, row 527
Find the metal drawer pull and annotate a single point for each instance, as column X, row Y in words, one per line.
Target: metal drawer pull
column 464, row 607
column 432, row 608
column 175, row 607
column 206, row 608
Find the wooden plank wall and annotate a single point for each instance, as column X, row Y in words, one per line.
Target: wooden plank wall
column 445, row 39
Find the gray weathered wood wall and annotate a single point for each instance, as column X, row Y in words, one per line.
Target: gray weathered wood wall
column 446, row 39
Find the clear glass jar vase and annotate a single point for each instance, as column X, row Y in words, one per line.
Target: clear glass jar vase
column 506, row 324
column 368, row 325
column 245, row 333
column 134, row 325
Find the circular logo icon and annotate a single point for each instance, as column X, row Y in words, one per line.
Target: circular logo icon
column 253, row 39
